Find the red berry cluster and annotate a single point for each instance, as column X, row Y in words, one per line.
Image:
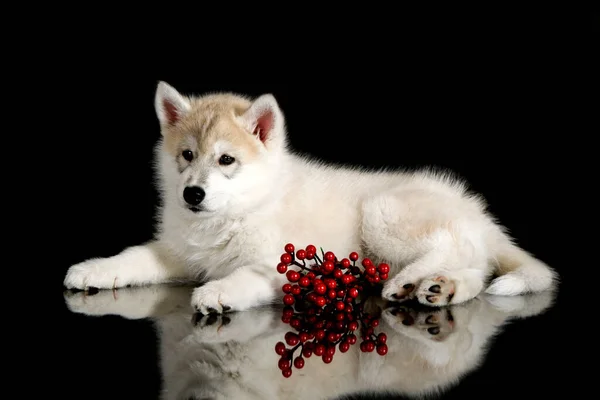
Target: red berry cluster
column 326, row 311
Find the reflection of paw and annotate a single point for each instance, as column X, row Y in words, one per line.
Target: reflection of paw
column 211, row 298
column 437, row 291
column 433, row 324
column 93, row 273
column 235, row 326
column 130, row 303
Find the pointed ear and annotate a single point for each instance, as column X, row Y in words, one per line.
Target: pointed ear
column 264, row 119
column 169, row 104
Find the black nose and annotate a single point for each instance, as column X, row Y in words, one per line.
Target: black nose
column 193, row 195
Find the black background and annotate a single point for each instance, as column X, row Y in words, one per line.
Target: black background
column 500, row 106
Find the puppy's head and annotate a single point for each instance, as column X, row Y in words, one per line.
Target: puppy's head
column 219, row 153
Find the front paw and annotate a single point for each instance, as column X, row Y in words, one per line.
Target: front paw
column 211, row 298
column 90, row 274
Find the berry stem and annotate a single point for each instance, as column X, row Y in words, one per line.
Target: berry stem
column 296, row 263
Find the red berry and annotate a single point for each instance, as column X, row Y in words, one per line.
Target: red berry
column 281, row 268
column 319, row 350
column 285, row 258
column 307, row 352
column 331, row 294
column 320, row 335
column 311, row 249
column 288, row 299
column 310, row 255
column 291, row 338
column 340, row 306
column 286, row 372
column 284, row 363
column 310, row 275
column 280, row 348
column 338, row 273
column 289, row 248
column 376, row 279
column 331, row 337
column 344, row 347
column 329, row 256
column 296, row 324
column 383, row 277
column 330, row 351
column 351, row 338
column 352, row 326
column 363, row 347
column 320, row 301
column 311, row 297
column 347, row 279
column 301, row 254
column 299, row 362
column 375, row 323
column 327, row 359
column 382, row 349
column 303, row 337
column 304, row 281
column 292, row 275
column 353, row 292
column 296, row 290
column 328, row 266
column 331, row 283
column 345, row 263
column 287, row 288
column 381, row 338
column 370, row 270
column 383, row 268
column 370, row 346
column 320, row 288
column 341, row 293
column 288, row 312
column 354, row 256
column 366, row 262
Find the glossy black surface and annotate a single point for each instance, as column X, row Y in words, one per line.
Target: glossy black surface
column 144, row 340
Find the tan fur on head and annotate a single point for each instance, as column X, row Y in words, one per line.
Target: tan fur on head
column 209, row 119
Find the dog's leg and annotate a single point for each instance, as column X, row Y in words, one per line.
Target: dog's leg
column 436, row 253
column 247, row 287
column 134, row 266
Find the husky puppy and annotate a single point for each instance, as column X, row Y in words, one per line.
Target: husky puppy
column 233, row 194
column 232, row 355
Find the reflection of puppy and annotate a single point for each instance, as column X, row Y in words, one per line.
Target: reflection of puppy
column 232, row 356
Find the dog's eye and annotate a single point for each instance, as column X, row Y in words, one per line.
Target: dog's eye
column 188, row 155
column 226, row 160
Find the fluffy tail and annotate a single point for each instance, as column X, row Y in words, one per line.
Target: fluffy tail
column 519, row 272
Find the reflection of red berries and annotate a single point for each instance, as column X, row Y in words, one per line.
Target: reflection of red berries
column 299, row 362
column 382, row 349
column 280, row 348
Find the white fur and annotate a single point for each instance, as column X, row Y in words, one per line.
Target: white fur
column 425, row 224
column 237, row 360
